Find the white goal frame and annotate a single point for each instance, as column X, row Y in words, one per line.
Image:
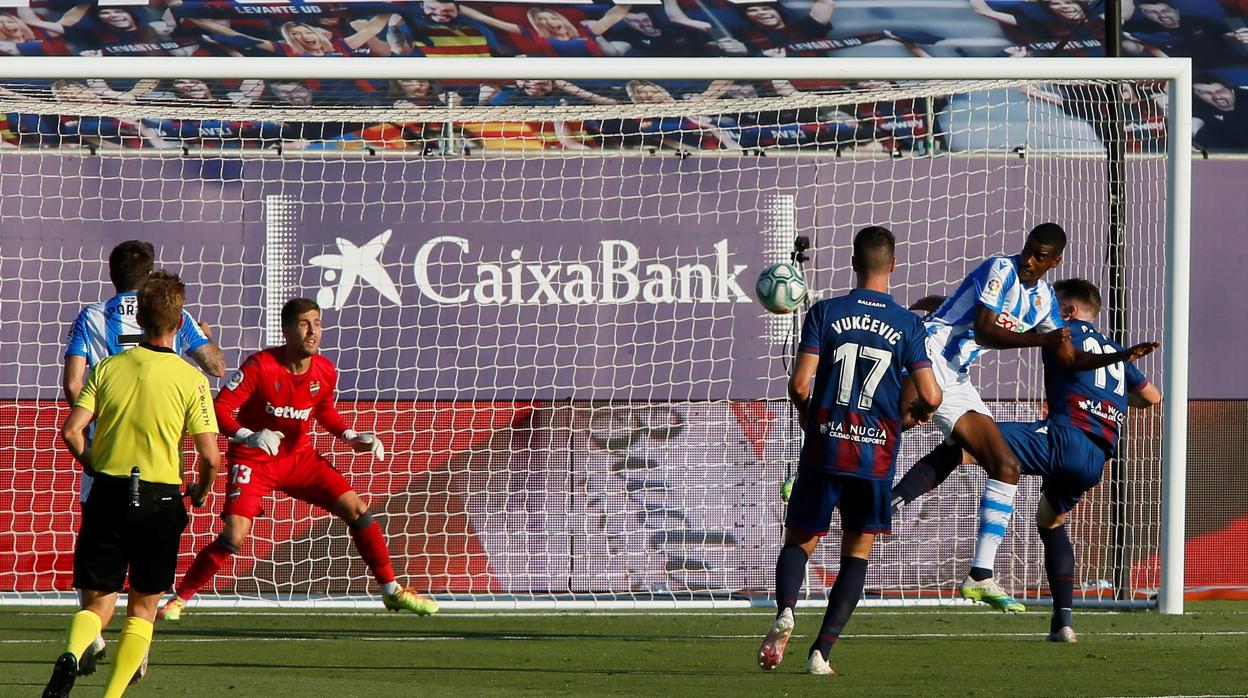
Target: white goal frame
column 1176, row 71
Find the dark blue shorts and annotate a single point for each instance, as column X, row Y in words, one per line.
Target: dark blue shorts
column 865, row 504
column 1069, row 460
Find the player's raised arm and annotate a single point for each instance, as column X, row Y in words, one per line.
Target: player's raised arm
column 992, row 330
column 197, row 338
column 1076, row 359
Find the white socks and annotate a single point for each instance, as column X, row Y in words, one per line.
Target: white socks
column 995, row 507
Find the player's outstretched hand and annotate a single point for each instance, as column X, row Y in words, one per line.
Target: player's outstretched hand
column 198, row 494
column 265, row 440
column 1139, row 351
column 206, row 329
column 1056, row 338
column 368, row 443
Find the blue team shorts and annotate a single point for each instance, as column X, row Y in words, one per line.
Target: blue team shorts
column 866, row 505
column 1069, row 460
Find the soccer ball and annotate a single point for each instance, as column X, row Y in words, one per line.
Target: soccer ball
column 781, row 288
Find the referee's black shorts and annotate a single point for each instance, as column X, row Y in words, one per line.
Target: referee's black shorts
column 116, row 537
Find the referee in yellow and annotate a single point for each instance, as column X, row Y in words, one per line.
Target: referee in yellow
column 142, row 400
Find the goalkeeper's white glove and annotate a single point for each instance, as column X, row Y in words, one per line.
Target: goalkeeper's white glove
column 365, row 443
column 265, row 439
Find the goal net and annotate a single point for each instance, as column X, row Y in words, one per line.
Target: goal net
column 538, row 291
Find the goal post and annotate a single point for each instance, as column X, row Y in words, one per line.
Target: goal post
column 552, row 327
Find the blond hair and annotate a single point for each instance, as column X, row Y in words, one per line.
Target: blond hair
column 161, row 298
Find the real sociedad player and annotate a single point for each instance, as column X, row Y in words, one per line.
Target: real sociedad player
column 1069, row 449
column 1003, row 304
column 854, row 348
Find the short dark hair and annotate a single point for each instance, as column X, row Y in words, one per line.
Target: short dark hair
column 1208, row 79
column 875, row 248
column 1048, row 234
column 161, row 298
column 1080, row 290
column 296, row 307
column 129, row 264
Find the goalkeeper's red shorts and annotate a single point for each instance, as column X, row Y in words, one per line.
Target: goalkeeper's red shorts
column 304, row 475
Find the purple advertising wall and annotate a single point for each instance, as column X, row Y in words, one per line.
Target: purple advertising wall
column 590, row 227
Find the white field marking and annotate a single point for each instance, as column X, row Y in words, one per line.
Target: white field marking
column 580, row 638
column 461, row 613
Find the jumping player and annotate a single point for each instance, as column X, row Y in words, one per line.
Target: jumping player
column 1069, row 449
column 1004, row 303
column 276, row 393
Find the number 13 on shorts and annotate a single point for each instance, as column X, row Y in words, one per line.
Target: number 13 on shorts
column 239, row 475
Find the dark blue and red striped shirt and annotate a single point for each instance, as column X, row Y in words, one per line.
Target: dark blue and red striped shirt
column 864, row 340
column 1092, row 401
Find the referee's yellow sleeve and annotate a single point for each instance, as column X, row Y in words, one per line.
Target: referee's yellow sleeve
column 200, row 417
column 86, row 398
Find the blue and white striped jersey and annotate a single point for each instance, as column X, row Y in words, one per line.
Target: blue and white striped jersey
column 995, row 285
column 109, row 327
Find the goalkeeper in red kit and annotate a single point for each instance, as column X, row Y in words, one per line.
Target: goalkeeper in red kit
column 276, row 394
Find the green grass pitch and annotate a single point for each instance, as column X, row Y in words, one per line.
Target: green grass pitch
column 902, row 652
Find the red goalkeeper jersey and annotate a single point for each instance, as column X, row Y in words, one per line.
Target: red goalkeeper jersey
column 266, row 395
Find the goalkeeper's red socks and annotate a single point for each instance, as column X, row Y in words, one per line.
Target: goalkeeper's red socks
column 372, row 546
column 207, row 563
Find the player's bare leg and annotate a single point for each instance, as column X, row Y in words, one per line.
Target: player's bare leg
column 369, row 540
column 207, row 562
column 790, row 570
column 1059, row 566
column 979, row 435
column 842, row 599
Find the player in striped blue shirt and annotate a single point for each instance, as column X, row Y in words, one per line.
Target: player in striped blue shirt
column 1069, row 449
column 110, row 327
column 1005, row 303
column 854, row 348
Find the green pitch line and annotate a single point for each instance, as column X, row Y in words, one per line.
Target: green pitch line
column 954, row 652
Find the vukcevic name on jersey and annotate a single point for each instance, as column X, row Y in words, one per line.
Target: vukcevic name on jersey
column 864, row 340
column 1093, row 401
column 110, row 327
column 995, row 285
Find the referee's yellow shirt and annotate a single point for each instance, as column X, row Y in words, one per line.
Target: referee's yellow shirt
column 144, row 399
